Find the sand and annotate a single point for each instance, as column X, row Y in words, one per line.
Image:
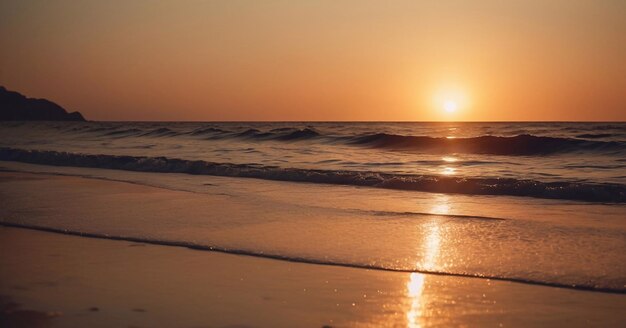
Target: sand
column 58, row 280
column 69, row 281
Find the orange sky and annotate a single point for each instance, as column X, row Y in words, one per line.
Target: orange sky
column 320, row 60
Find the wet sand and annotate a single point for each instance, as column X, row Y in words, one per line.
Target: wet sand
column 57, row 280
column 68, row 281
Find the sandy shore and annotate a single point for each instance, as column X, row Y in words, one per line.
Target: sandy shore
column 68, row 281
column 56, row 280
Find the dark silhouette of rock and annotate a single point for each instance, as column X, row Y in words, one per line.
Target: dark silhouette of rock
column 16, row 107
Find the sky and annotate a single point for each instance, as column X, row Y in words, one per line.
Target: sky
column 549, row 60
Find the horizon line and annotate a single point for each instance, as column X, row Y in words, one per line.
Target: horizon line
column 335, row 121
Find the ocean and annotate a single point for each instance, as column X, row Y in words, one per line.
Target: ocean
column 540, row 203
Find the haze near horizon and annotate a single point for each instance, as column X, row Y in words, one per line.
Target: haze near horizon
column 320, row 61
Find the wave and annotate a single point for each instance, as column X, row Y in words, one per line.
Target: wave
column 207, row 131
column 590, row 192
column 589, row 286
column 285, row 134
column 524, row 144
column 160, row 132
column 516, row 145
column 299, row 134
column 123, row 132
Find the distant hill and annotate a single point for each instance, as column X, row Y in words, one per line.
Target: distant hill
column 17, row 107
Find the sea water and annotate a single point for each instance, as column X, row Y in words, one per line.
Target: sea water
column 532, row 202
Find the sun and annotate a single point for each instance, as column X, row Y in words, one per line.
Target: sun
column 450, row 101
column 450, row 106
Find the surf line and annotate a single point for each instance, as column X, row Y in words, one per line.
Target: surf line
column 193, row 246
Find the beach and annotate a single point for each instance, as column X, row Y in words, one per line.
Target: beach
column 71, row 281
column 240, row 164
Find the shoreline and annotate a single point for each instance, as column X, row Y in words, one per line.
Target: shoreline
column 133, row 284
column 287, row 259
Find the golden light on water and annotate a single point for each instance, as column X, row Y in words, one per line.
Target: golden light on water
column 415, row 287
column 431, row 245
column 442, row 205
column 448, row 171
column 417, row 281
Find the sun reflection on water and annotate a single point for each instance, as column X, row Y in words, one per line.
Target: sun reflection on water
column 431, row 244
column 415, row 288
column 448, row 171
column 442, row 205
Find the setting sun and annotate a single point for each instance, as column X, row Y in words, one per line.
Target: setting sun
column 450, row 106
column 450, row 101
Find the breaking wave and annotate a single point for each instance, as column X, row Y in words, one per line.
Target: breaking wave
column 591, row 192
